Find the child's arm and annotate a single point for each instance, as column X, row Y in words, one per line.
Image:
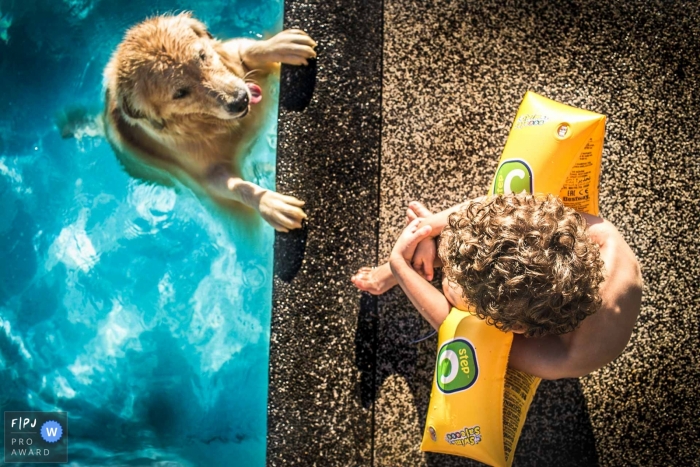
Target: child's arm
column 425, row 258
column 380, row 279
column 430, row 302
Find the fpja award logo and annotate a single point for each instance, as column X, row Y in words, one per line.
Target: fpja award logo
column 36, row 437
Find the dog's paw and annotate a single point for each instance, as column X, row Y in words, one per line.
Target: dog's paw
column 292, row 47
column 282, row 212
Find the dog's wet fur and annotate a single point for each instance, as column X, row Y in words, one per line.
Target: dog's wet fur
column 180, row 103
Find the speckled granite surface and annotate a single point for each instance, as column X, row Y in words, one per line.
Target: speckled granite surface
column 323, row 331
column 454, row 75
column 348, row 386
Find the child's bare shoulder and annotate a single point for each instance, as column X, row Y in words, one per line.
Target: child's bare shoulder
column 621, row 265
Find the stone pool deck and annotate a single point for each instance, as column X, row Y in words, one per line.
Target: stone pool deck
column 414, row 100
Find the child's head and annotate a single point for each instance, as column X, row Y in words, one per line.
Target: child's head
column 524, row 263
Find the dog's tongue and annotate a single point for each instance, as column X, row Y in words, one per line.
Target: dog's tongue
column 255, row 93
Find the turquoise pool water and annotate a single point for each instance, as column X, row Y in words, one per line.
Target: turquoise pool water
column 138, row 310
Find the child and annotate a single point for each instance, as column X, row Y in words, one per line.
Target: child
column 527, row 265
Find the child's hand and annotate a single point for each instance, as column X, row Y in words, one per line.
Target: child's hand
column 424, row 257
column 409, row 239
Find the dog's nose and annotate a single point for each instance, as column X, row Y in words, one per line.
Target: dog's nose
column 239, row 102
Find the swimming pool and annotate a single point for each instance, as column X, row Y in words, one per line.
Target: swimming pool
column 140, row 311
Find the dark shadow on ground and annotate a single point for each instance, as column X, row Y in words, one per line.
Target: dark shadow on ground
column 290, row 248
column 297, row 84
column 366, row 348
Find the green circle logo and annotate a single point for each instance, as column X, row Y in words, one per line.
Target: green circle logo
column 513, row 176
column 457, row 368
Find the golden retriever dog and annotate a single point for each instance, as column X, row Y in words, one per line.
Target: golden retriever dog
column 182, row 104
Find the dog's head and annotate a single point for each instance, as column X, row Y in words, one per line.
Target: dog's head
column 167, row 70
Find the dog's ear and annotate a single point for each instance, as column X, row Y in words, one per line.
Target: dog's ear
column 197, row 26
column 135, row 114
column 128, row 110
column 158, row 124
column 200, row 29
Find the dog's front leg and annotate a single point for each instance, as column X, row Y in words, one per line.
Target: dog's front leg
column 292, row 47
column 282, row 212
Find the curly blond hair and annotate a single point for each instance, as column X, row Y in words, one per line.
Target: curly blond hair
column 523, row 262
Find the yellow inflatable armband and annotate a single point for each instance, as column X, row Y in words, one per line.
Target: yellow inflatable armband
column 553, row 148
column 478, row 405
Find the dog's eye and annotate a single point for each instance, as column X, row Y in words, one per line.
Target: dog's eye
column 181, row 93
column 203, row 55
